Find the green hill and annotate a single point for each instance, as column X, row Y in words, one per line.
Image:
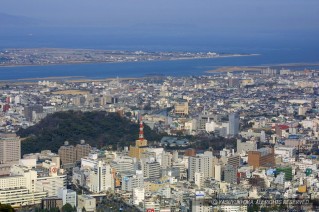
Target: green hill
column 96, row 128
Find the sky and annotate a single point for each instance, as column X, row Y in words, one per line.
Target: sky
column 228, row 15
column 225, row 25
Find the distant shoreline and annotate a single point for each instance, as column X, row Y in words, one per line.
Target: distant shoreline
column 258, row 68
column 97, row 62
column 33, row 57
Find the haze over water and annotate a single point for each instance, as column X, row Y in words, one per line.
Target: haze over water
column 281, row 32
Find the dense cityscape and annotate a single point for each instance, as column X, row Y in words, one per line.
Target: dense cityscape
column 242, row 141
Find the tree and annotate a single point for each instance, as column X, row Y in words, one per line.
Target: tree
column 6, row 208
column 67, row 208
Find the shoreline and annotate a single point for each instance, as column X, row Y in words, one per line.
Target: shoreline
column 119, row 62
column 222, row 69
column 258, row 68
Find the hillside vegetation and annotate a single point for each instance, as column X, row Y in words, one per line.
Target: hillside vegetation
column 99, row 129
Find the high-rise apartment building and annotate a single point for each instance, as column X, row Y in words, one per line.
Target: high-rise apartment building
column 67, row 153
column 70, row 154
column 152, row 170
column 201, row 163
column 10, row 148
column 230, row 174
column 233, row 124
column 82, row 150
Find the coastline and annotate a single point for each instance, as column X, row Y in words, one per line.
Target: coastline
column 114, row 62
column 259, row 68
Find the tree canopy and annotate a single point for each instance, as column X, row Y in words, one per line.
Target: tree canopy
column 98, row 128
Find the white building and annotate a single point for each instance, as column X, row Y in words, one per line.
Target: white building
column 100, row 178
column 138, row 195
column 129, row 182
column 285, row 151
column 201, row 163
column 199, row 179
column 51, row 183
column 123, row 164
column 166, row 160
column 19, row 188
column 67, row 196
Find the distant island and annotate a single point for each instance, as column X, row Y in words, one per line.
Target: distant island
column 53, row 56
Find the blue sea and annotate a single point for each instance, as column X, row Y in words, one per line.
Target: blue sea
column 272, row 50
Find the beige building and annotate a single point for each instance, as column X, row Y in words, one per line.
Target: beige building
column 10, row 148
column 67, row 153
column 181, row 108
column 87, row 202
column 140, row 145
column 82, row 150
column 70, row 154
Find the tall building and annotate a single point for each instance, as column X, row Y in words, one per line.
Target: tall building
column 138, row 195
column 129, row 182
column 30, row 110
column 166, row 160
column 67, row 153
column 264, row 157
column 100, row 178
column 201, row 163
column 199, row 179
column 82, row 150
column 152, row 170
column 67, row 196
column 233, row 124
column 230, row 174
column 140, row 144
column 10, row 148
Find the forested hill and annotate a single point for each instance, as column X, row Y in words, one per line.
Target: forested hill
column 96, row 128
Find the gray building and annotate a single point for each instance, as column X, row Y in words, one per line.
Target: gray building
column 230, row 174
column 233, row 124
column 152, row 170
column 29, row 110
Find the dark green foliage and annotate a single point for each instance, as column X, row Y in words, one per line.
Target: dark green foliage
column 97, row 128
column 6, row 208
column 68, row 208
column 217, row 143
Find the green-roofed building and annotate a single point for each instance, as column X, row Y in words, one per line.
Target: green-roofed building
column 287, row 171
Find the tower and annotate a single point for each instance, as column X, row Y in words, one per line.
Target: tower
column 140, row 144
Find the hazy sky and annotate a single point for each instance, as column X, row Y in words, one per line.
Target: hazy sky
column 249, row 15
